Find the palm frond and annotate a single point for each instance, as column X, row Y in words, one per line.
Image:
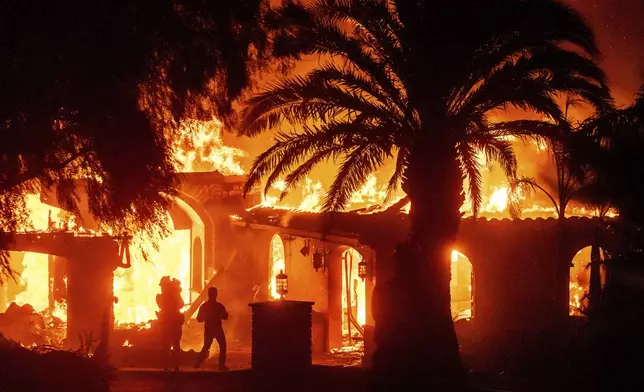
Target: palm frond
column 304, row 169
column 288, row 150
column 510, row 87
column 539, row 131
column 495, row 147
column 301, row 99
column 527, row 187
column 471, row 167
column 396, row 177
column 353, row 173
column 361, row 84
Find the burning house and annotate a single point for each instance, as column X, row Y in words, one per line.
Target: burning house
column 510, row 278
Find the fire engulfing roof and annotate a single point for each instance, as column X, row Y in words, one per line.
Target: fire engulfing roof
column 390, row 226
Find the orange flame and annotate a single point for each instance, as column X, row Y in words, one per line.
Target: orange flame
column 199, row 147
column 136, row 287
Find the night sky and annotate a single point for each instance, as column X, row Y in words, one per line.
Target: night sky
column 619, row 25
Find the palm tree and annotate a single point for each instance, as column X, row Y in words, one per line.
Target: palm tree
column 560, row 191
column 569, row 183
column 609, row 147
column 610, row 144
column 597, row 257
column 409, row 82
column 612, row 147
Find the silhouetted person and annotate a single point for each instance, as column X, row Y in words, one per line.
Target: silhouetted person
column 211, row 313
column 170, row 317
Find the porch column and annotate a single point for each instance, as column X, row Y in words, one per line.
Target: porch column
column 369, row 285
column 334, row 291
column 90, row 294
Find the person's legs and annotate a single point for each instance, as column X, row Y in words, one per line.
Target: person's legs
column 205, row 350
column 221, row 340
column 176, row 344
column 168, row 343
column 176, row 348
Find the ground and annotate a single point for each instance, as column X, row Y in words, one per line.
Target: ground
column 318, row 379
column 337, row 373
column 328, row 371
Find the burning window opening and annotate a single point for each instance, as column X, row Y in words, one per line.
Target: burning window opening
column 277, row 263
column 354, row 311
column 32, row 315
column 136, row 287
column 579, row 284
column 35, row 311
column 461, row 293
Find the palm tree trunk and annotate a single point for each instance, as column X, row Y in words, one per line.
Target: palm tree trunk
column 595, row 289
column 416, row 342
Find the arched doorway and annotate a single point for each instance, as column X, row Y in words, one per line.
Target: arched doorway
column 277, row 263
column 354, row 301
column 580, row 277
column 461, row 287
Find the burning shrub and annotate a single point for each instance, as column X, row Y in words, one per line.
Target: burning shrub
column 22, row 324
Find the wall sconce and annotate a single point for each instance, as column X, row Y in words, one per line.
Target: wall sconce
column 319, row 259
column 363, row 271
column 306, row 249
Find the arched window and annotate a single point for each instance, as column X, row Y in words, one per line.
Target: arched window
column 461, row 286
column 580, row 277
column 354, row 301
column 277, row 263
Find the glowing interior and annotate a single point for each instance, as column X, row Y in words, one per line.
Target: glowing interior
column 461, row 286
column 357, row 295
column 277, row 263
column 136, row 287
column 579, row 284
